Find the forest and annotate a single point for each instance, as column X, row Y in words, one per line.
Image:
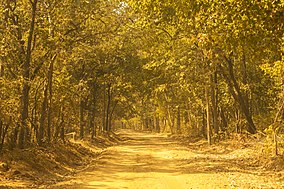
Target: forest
column 199, row 68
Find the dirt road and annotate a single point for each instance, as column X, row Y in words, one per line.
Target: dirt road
column 154, row 161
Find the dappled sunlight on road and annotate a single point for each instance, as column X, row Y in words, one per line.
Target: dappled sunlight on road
column 155, row 161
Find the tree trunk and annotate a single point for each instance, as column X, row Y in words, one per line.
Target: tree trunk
column 104, row 128
column 108, row 107
column 209, row 137
column 145, row 124
column 242, row 102
column 49, row 113
column 279, row 114
column 164, row 124
column 34, row 119
column 214, row 100
column 3, row 131
column 237, row 95
column 189, row 119
column 178, row 121
column 158, row 128
column 204, row 124
column 1, row 134
column 26, row 76
column 150, row 123
column 59, row 122
column 42, row 117
column 92, row 123
column 1, row 69
column 1, row 128
column 245, row 82
column 62, row 128
column 92, row 112
column 238, row 121
column 170, row 120
column 50, row 78
column 224, row 122
column 172, row 126
column 81, row 119
column 111, row 114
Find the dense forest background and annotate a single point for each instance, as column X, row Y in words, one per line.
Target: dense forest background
column 200, row 67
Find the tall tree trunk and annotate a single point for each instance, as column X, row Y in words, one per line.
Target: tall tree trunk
column 209, row 137
column 214, row 100
column 158, row 128
column 3, row 131
column 50, row 93
column 81, row 118
column 245, row 82
column 172, row 126
column 178, row 121
column 237, row 95
column 26, row 76
column 224, row 123
column 62, row 128
column 145, row 124
column 111, row 114
column 1, row 128
column 170, row 120
column 164, row 124
column 34, row 119
column 46, row 105
column 108, row 107
column 42, row 117
column 150, row 123
column 57, row 125
column 238, row 121
column 50, row 77
column 92, row 123
column 279, row 115
column 189, row 119
column 242, row 102
column 1, row 69
column 204, row 124
column 104, row 128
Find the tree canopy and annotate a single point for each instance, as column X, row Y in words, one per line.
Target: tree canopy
column 181, row 66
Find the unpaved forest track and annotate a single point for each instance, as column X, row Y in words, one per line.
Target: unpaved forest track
column 154, row 161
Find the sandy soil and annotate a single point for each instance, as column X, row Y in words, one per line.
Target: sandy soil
column 148, row 160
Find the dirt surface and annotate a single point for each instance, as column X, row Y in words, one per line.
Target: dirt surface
column 38, row 167
column 148, row 160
